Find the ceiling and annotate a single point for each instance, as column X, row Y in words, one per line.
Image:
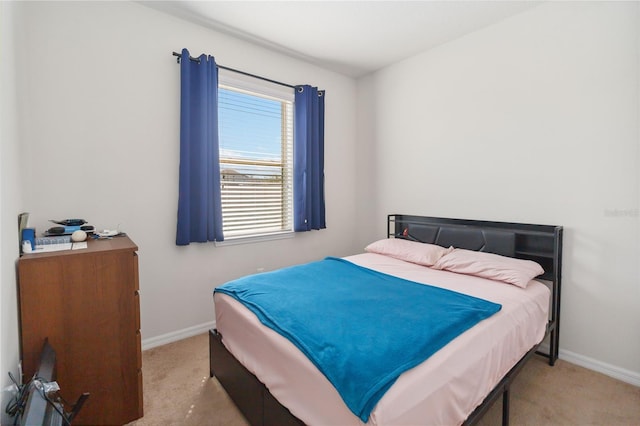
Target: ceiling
column 350, row 37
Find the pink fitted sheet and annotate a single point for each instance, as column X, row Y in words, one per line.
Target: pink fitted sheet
column 443, row 390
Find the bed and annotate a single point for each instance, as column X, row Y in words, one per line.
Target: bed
column 273, row 382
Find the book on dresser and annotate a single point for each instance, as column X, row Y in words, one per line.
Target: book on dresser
column 86, row 302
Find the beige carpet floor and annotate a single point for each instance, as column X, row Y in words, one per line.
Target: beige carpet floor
column 178, row 391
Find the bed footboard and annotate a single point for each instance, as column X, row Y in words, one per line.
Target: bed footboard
column 249, row 394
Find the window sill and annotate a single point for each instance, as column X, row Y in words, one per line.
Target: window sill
column 250, row 239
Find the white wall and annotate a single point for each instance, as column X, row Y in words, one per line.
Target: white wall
column 100, row 97
column 534, row 119
column 10, row 205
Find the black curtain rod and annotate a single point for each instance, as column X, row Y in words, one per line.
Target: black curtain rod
column 191, row 58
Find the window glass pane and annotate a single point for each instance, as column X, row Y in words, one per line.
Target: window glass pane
column 250, row 126
column 255, row 161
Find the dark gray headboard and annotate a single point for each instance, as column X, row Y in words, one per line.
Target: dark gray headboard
column 541, row 243
column 489, row 240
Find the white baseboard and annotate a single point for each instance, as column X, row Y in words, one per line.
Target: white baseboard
column 618, row 373
column 174, row 336
column 622, row 374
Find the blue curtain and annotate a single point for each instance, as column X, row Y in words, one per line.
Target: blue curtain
column 308, row 160
column 199, row 202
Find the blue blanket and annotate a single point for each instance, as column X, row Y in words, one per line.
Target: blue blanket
column 361, row 328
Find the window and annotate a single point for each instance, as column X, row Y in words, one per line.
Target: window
column 255, row 120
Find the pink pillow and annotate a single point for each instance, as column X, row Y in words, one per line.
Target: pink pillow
column 409, row 251
column 492, row 266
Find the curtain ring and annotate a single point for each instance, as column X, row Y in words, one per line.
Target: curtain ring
column 300, row 89
column 320, row 93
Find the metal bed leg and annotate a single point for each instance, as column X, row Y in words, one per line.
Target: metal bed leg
column 553, row 346
column 505, row 407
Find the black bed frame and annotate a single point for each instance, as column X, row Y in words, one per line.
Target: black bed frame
column 541, row 243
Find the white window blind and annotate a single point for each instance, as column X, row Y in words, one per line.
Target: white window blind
column 256, row 158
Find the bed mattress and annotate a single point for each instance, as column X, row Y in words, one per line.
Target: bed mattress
column 444, row 389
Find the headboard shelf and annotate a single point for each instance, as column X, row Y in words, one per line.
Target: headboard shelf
column 536, row 253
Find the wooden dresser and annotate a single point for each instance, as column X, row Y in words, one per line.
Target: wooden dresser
column 87, row 303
